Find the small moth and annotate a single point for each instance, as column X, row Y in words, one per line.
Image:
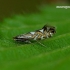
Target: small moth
column 43, row 33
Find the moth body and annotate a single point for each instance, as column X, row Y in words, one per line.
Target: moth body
column 44, row 33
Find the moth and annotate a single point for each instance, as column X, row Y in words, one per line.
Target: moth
column 43, row 33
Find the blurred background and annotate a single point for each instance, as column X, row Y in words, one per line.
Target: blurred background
column 11, row 7
column 22, row 16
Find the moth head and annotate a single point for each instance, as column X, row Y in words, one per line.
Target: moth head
column 49, row 29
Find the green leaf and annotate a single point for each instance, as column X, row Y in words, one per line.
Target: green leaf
column 56, row 54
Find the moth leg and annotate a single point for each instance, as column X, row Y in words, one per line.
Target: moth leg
column 27, row 41
column 40, row 43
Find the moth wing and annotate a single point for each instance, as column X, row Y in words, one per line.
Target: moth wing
column 23, row 37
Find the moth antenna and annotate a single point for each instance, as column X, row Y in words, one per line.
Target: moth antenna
column 44, row 26
column 40, row 43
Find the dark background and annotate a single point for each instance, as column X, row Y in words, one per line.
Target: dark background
column 11, row 7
